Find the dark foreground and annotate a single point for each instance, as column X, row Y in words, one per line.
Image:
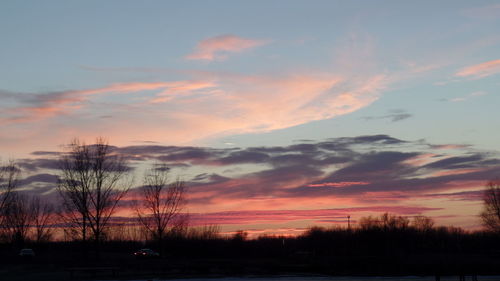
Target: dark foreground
column 319, row 252
column 116, row 266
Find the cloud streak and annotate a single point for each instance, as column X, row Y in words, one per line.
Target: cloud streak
column 284, row 216
column 481, row 70
column 394, row 116
column 339, row 184
column 219, row 47
column 32, row 107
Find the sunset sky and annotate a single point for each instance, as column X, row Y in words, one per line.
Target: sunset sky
column 278, row 115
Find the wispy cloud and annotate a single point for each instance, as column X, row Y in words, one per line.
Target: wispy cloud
column 338, row 184
column 247, row 104
column 206, row 105
column 450, row 146
column 181, row 88
column 467, row 97
column 219, row 47
column 393, row 115
column 27, row 107
column 481, row 70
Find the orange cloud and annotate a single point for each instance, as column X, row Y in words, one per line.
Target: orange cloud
column 217, row 48
column 480, row 70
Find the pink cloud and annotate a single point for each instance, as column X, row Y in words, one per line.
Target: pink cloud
column 206, row 106
column 224, row 104
column 180, row 88
column 480, row 70
column 125, row 88
column 467, row 195
column 247, row 104
column 457, row 172
column 60, row 103
column 283, row 216
column 339, row 184
column 255, row 233
column 422, row 159
column 450, row 146
column 217, row 48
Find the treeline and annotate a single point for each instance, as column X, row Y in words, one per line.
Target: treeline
column 387, row 244
column 385, row 235
column 22, row 217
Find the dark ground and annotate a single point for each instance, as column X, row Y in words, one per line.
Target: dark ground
column 44, row 267
column 318, row 252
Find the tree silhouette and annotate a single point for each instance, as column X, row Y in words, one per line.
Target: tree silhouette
column 91, row 185
column 43, row 214
column 422, row 223
column 160, row 203
column 9, row 175
column 18, row 218
column 491, row 212
column 386, row 221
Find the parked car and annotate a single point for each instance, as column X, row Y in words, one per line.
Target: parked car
column 146, row 253
column 27, row 253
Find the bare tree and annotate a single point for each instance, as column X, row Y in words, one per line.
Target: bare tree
column 394, row 222
column 422, row 223
column 9, row 175
column 491, row 212
column 18, row 216
column 161, row 203
column 42, row 216
column 92, row 182
column 366, row 223
column 206, row 232
column 386, row 222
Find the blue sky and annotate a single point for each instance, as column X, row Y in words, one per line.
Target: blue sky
column 226, row 74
